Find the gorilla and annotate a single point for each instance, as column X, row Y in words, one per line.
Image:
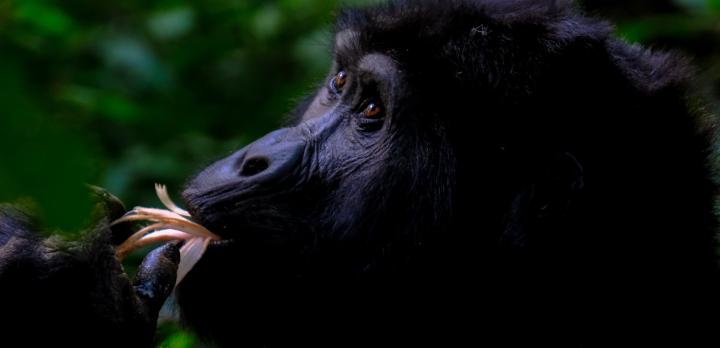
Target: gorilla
column 469, row 171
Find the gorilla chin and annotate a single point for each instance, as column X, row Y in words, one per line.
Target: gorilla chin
column 467, row 170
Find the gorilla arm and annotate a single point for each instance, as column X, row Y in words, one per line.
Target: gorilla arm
column 55, row 291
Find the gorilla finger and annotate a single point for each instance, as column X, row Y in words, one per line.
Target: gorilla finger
column 156, row 276
column 113, row 208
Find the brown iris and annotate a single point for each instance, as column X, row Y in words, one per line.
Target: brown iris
column 339, row 80
column 372, row 110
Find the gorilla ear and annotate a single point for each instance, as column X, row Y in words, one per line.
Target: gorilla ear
column 556, row 187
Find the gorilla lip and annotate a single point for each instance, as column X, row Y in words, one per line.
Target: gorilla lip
column 168, row 224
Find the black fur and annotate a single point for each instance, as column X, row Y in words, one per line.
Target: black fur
column 534, row 180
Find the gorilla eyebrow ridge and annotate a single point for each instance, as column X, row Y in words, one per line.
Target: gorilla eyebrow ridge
column 347, row 44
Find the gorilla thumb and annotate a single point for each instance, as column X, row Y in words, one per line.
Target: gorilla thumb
column 155, row 279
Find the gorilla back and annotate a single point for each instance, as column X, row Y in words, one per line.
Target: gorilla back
column 468, row 162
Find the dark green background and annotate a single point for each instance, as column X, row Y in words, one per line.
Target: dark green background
column 123, row 94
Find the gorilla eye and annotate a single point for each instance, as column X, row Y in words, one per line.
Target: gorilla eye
column 338, row 82
column 372, row 110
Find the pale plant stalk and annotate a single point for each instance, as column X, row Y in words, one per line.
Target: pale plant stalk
column 167, row 225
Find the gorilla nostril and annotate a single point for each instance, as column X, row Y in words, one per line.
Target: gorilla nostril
column 255, row 165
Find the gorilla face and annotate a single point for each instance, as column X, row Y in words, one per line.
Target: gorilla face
column 345, row 176
column 272, row 187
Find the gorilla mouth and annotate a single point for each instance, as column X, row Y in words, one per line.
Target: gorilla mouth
column 252, row 214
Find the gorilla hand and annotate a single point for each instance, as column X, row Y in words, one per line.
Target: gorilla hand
column 57, row 291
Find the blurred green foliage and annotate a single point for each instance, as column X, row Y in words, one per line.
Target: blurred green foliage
column 171, row 335
column 123, row 94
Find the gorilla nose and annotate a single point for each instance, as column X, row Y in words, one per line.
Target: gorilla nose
column 275, row 154
column 254, row 166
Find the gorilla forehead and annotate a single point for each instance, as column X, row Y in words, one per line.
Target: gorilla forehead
column 400, row 24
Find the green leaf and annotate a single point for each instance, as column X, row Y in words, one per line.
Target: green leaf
column 44, row 18
column 118, row 108
column 267, row 21
column 43, row 158
column 177, row 338
column 171, row 24
column 714, row 5
column 647, row 29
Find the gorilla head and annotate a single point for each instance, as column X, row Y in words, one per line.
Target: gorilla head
column 461, row 156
